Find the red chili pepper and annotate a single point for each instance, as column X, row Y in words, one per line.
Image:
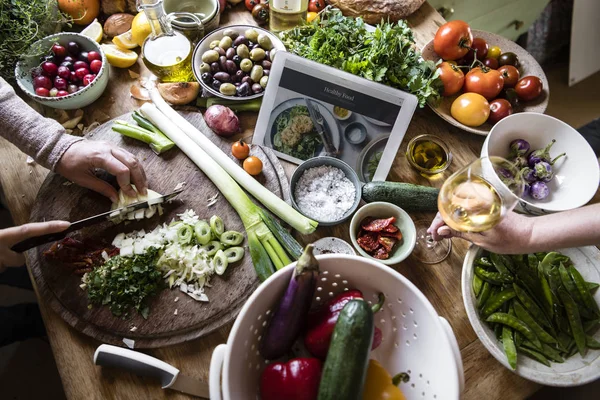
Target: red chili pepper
column 322, row 322
column 297, row 379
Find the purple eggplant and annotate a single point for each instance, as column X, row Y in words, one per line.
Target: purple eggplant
column 543, row 155
column 543, row 171
column 526, row 189
column 520, row 161
column 528, row 175
column 539, row 190
column 519, row 147
column 291, row 313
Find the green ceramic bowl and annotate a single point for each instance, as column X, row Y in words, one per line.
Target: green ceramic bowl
column 381, row 209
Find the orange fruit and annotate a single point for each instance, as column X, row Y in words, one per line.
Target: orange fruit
column 83, row 12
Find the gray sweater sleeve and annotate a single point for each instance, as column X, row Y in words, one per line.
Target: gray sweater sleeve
column 44, row 139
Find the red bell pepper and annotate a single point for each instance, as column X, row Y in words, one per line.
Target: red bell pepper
column 297, row 379
column 321, row 323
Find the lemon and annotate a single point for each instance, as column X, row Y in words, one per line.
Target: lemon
column 118, row 57
column 140, row 28
column 125, row 41
column 94, row 31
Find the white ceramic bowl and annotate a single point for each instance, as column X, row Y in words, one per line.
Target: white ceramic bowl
column 576, row 370
column 79, row 99
column 576, row 176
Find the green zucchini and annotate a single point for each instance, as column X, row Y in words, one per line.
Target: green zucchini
column 345, row 367
column 407, row 196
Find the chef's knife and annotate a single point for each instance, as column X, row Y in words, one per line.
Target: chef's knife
column 145, row 365
column 96, row 219
column 317, row 119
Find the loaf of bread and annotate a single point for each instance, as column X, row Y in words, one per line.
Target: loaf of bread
column 373, row 11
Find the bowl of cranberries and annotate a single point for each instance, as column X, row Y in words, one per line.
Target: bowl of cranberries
column 68, row 71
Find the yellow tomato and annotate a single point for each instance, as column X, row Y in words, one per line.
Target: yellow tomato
column 494, row 52
column 470, row 109
column 311, row 16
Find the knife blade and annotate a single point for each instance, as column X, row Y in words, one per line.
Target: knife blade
column 86, row 222
column 142, row 364
column 317, row 119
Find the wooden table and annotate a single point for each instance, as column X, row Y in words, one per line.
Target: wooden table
column 485, row 377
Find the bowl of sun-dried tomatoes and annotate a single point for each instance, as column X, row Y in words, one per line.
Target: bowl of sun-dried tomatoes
column 383, row 231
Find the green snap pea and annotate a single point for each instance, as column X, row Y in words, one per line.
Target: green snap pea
column 532, row 261
column 516, row 324
column 574, row 320
column 477, row 284
column 484, row 262
column 550, row 259
column 531, row 306
column 547, row 294
column 498, row 331
column 499, row 264
column 591, row 342
column 568, row 284
column 508, row 344
column 585, row 294
column 564, row 341
column 591, row 326
column 534, row 355
column 496, row 278
column 484, row 295
column 524, row 316
column 495, row 302
column 561, row 320
column 493, row 291
column 547, row 351
column 571, row 351
column 592, row 286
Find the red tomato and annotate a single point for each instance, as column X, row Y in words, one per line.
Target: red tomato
column 452, row 77
column 481, row 46
column 222, row 6
column 251, row 3
column 491, row 63
column 510, row 75
column 529, row 88
column 487, row 83
column 316, row 5
column 452, row 40
column 499, row 108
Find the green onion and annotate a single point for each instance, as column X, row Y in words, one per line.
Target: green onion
column 184, row 234
column 203, row 232
column 275, row 204
column 216, row 225
column 231, row 238
column 221, row 262
column 234, row 254
column 158, row 142
column 212, row 248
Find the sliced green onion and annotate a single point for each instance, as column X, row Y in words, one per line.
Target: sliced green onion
column 185, row 234
column 212, row 248
column 203, row 232
column 175, row 223
column 221, row 262
column 234, row 254
column 217, row 226
column 231, row 238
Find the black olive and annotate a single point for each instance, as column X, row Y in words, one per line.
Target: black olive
column 223, row 63
column 256, row 88
column 250, row 44
column 230, row 53
column 214, row 67
column 216, row 84
column 243, row 89
column 219, row 50
column 206, row 77
column 222, row 76
column 231, row 67
column 240, row 40
column 237, row 60
column 266, row 64
column 83, row 56
column 247, row 79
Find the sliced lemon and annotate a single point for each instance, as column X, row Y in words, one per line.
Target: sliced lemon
column 140, row 28
column 125, row 41
column 94, row 31
column 118, row 57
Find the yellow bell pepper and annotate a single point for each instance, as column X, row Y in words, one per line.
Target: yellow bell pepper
column 380, row 385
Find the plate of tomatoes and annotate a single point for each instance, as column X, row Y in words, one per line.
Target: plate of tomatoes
column 486, row 77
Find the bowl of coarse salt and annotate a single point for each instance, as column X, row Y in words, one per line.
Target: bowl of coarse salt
column 325, row 189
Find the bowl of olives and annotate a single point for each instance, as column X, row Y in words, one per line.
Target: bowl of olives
column 234, row 62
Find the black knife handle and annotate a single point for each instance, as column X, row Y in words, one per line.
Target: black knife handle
column 38, row 241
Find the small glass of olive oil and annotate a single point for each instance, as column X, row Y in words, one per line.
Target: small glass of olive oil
column 428, row 154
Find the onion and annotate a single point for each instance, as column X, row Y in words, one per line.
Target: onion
column 222, row 120
column 117, row 24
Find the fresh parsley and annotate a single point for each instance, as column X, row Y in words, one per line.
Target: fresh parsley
column 387, row 55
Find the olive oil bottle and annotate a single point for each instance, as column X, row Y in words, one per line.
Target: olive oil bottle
column 428, row 154
column 286, row 14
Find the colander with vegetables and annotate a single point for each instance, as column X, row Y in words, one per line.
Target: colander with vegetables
column 337, row 327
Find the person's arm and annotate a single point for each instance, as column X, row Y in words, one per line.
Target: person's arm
column 517, row 234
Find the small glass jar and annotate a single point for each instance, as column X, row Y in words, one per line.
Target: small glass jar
column 188, row 24
column 428, row 154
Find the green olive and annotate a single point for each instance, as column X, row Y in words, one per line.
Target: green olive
column 251, row 35
column 243, row 51
column 265, row 42
column 231, row 33
column 263, row 81
column 227, row 89
column 257, row 73
column 246, row 65
column 210, row 56
column 257, row 54
column 213, row 44
column 272, row 53
column 204, row 67
column 225, row 43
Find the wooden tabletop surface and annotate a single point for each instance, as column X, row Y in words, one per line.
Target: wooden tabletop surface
column 485, row 378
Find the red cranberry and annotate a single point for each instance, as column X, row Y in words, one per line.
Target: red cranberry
column 64, row 72
column 80, row 64
column 81, row 72
column 88, row 79
column 94, row 55
column 73, row 77
column 50, row 69
column 35, row 72
column 62, row 93
column 66, row 64
column 59, row 50
column 73, row 48
column 42, row 91
column 68, row 59
column 42, row 82
column 60, row 83
column 83, row 56
column 95, row 66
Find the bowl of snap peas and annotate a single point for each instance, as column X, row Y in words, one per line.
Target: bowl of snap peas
column 538, row 314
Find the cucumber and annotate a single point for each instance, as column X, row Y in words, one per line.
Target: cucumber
column 345, row 367
column 407, row 196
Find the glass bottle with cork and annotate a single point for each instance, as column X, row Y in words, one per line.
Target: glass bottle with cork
column 286, row 14
column 165, row 52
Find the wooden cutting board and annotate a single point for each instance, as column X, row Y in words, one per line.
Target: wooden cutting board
column 57, row 199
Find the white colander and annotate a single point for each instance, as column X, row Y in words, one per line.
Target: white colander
column 415, row 339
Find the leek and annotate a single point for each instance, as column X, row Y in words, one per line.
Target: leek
column 276, row 205
column 265, row 250
column 158, row 142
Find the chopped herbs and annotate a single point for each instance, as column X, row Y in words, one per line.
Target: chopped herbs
column 387, row 55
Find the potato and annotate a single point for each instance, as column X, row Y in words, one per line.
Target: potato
column 372, row 11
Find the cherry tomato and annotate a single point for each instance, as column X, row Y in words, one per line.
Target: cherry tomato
column 481, row 46
column 509, row 59
column 452, row 40
column 452, row 78
column 529, row 88
column 316, row 5
column 470, row 109
column 494, row 52
column 499, row 108
column 251, row 3
column 310, row 16
column 240, row 150
column 487, row 82
column 253, row 165
column 511, row 95
column 260, row 13
column 491, row 63
column 510, row 75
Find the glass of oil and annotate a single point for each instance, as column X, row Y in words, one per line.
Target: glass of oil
column 286, row 14
column 428, row 154
column 166, row 52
